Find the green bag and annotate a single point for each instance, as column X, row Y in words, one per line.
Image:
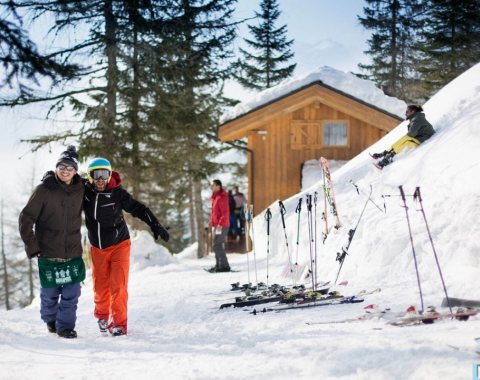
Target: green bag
column 54, row 274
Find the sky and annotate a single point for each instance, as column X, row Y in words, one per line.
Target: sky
column 176, row 330
column 326, row 32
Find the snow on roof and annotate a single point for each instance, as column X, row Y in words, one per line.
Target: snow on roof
column 348, row 83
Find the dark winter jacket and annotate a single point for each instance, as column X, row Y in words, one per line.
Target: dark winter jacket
column 104, row 213
column 55, row 209
column 419, row 128
column 220, row 209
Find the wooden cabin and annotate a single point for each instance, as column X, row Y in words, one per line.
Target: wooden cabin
column 310, row 122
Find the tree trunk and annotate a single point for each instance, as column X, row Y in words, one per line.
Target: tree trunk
column 112, row 76
column 191, row 214
column 199, row 218
column 4, row 259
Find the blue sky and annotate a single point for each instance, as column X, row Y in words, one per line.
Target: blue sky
column 326, row 32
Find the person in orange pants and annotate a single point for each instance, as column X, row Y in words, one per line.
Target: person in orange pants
column 103, row 204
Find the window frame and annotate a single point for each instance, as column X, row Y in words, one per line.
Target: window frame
column 337, row 121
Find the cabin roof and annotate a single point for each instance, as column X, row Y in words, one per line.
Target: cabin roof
column 315, row 91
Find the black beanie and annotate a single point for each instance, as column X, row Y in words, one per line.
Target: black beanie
column 69, row 156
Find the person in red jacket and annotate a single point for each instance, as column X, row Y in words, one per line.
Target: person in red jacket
column 220, row 223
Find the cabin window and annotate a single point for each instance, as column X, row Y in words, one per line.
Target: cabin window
column 335, row 133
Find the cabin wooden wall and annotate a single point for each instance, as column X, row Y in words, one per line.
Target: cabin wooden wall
column 277, row 162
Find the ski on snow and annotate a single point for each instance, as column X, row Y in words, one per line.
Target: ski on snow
column 332, row 299
column 280, row 295
column 431, row 316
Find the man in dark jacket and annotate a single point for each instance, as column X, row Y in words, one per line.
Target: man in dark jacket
column 419, row 130
column 104, row 203
column 220, row 223
column 55, row 210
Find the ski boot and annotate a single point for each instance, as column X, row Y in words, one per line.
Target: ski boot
column 118, row 331
column 51, row 327
column 379, row 155
column 102, row 325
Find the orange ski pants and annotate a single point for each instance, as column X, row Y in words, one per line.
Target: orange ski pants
column 110, row 267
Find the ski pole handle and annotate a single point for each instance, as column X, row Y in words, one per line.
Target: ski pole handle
column 283, row 211
column 309, row 202
column 417, row 195
column 268, row 216
column 356, row 187
column 299, row 206
column 402, row 193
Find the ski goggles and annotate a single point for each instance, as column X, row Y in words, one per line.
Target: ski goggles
column 99, row 174
column 68, row 168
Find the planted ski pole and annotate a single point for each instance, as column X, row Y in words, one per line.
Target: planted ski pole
column 341, row 255
column 310, row 238
column 298, row 211
column 315, row 232
column 268, row 217
column 246, row 211
column 253, row 245
column 370, row 199
column 418, row 197
column 402, row 195
column 283, row 211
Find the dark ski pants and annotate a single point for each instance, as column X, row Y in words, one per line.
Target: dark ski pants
column 60, row 305
column 219, row 249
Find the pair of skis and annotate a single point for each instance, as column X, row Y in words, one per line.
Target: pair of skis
column 328, row 300
column 329, row 198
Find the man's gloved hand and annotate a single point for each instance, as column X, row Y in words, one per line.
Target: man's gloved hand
column 159, row 231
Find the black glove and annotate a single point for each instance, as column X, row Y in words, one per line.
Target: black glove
column 159, row 231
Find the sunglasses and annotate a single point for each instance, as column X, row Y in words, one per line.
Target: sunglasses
column 68, row 168
column 99, row 174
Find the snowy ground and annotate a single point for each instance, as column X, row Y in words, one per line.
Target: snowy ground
column 177, row 332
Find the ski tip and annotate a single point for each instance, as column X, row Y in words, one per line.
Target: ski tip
column 343, row 283
column 377, row 166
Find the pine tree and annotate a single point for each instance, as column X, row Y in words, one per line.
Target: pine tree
column 23, row 65
column 393, row 24
column 263, row 67
column 450, row 42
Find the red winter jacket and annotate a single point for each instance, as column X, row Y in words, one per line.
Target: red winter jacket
column 220, row 210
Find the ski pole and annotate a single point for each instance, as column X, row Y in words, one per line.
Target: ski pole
column 253, row 246
column 418, row 197
column 310, row 237
column 268, row 216
column 402, row 194
column 283, row 211
column 246, row 212
column 370, row 199
column 341, row 255
column 298, row 210
column 315, row 232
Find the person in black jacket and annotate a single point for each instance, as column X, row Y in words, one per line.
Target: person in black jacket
column 55, row 210
column 419, row 130
column 104, row 202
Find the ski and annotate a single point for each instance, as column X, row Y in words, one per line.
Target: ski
column 280, row 295
column 332, row 299
column 371, row 312
column 335, row 300
column 232, row 270
column 460, row 302
column 329, row 197
column 429, row 317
